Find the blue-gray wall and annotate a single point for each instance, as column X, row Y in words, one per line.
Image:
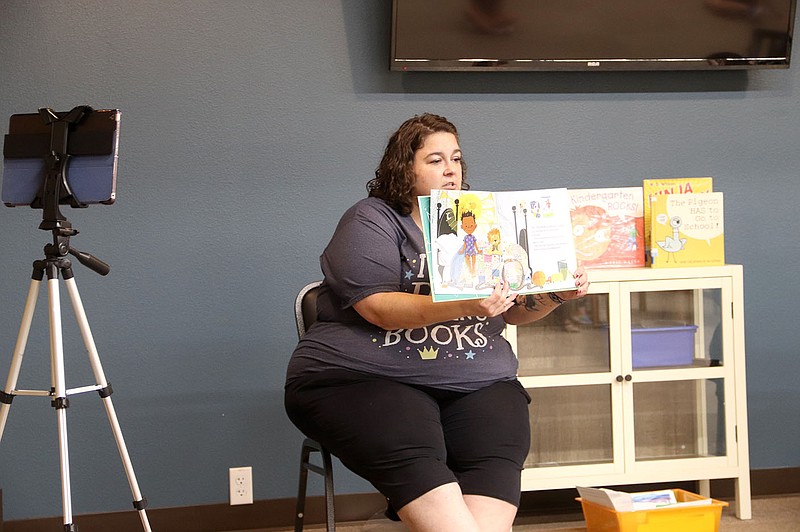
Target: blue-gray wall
column 248, row 127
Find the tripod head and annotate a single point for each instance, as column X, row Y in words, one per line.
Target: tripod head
column 58, row 250
column 39, row 151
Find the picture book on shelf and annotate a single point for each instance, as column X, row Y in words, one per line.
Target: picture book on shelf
column 669, row 185
column 478, row 239
column 608, row 226
column 687, row 230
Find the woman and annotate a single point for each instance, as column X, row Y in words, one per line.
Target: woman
column 419, row 398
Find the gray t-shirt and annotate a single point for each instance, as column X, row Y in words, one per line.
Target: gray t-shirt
column 374, row 249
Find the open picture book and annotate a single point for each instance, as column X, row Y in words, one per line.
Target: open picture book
column 477, row 239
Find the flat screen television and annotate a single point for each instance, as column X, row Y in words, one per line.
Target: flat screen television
column 514, row 35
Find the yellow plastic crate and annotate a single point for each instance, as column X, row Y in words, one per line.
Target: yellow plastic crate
column 684, row 519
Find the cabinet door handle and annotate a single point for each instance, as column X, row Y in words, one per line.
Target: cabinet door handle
column 628, row 378
column 620, row 378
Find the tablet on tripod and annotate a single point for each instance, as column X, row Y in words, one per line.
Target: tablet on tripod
column 92, row 147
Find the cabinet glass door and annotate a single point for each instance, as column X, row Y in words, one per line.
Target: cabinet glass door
column 572, row 339
column 679, row 419
column 674, row 359
column 676, row 328
column 565, row 363
column 571, row 425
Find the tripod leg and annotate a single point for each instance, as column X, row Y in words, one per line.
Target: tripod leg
column 139, row 502
column 60, row 402
column 6, row 396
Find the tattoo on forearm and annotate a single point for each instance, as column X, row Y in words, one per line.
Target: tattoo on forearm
column 533, row 302
column 536, row 302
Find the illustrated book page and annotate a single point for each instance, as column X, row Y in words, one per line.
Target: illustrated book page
column 478, row 239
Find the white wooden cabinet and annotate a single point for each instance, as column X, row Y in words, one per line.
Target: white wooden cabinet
column 642, row 381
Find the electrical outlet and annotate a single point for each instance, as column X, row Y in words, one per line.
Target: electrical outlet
column 241, row 485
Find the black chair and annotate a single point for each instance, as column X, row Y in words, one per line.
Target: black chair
column 305, row 312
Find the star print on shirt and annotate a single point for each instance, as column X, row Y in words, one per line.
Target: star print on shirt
column 470, row 355
column 409, row 274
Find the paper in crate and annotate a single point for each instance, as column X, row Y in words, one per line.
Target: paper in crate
column 687, row 230
column 608, row 226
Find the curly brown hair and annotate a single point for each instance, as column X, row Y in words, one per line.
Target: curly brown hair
column 394, row 178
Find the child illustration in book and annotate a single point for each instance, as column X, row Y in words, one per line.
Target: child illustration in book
column 494, row 242
column 420, row 398
column 470, row 247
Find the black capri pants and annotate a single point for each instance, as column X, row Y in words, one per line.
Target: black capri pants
column 407, row 440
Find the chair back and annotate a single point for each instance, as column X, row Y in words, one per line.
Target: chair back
column 305, row 307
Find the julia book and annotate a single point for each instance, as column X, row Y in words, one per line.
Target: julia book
column 478, row 239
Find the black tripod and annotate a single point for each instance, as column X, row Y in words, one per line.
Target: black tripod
column 55, row 190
